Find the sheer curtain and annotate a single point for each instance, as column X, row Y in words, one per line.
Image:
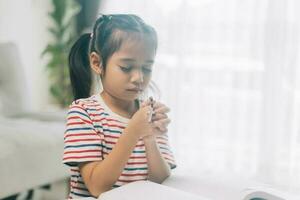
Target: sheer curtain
column 229, row 70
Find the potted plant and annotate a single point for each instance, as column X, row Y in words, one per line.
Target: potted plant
column 63, row 32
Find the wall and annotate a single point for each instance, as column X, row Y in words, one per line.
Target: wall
column 25, row 23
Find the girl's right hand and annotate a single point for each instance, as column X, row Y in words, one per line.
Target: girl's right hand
column 139, row 122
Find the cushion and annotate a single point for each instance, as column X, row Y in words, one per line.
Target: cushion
column 30, row 154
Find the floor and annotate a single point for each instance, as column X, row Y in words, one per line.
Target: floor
column 56, row 191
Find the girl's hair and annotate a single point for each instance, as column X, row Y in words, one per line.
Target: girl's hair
column 109, row 32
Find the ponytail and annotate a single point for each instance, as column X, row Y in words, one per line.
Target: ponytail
column 79, row 68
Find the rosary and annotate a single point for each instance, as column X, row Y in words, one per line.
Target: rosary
column 151, row 111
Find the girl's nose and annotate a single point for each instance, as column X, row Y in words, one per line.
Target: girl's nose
column 137, row 76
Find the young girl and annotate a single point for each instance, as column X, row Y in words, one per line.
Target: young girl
column 111, row 139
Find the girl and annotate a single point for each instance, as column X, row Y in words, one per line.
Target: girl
column 111, row 139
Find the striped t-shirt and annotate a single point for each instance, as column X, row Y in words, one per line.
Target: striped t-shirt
column 91, row 133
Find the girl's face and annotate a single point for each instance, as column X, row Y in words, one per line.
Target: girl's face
column 128, row 71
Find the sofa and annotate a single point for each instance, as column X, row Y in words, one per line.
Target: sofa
column 31, row 143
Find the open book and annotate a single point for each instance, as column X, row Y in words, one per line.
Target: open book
column 146, row 190
column 265, row 193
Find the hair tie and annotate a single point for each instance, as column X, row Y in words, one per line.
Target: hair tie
column 105, row 17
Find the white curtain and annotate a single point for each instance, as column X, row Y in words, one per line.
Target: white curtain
column 229, row 70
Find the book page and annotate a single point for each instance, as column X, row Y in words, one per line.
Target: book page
column 147, row 190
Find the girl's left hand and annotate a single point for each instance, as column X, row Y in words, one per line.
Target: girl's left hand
column 160, row 118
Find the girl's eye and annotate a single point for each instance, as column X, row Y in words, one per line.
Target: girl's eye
column 125, row 69
column 147, row 70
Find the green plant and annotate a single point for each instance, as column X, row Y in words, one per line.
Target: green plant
column 63, row 31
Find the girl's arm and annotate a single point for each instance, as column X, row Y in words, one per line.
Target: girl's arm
column 99, row 176
column 158, row 168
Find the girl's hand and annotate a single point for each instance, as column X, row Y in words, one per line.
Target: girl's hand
column 139, row 122
column 160, row 118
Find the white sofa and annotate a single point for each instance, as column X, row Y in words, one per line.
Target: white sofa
column 31, row 144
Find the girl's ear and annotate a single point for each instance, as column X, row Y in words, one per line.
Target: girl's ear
column 96, row 63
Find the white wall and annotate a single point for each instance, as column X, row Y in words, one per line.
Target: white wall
column 25, row 23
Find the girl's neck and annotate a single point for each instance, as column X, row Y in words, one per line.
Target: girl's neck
column 119, row 106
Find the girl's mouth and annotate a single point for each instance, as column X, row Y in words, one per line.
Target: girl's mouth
column 135, row 90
